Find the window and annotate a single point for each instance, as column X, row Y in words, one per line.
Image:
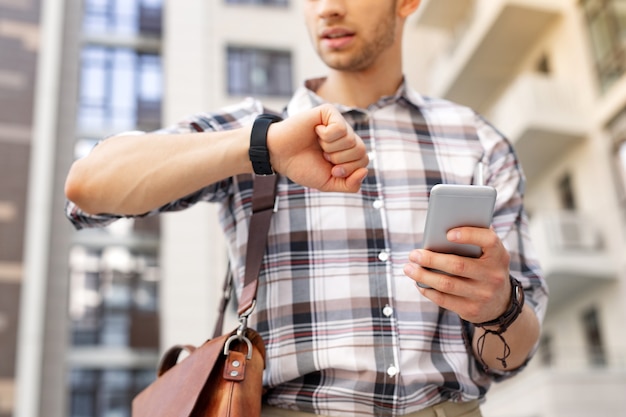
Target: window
column 566, row 193
column 593, row 337
column 620, row 168
column 546, row 354
column 113, row 298
column 263, row 2
column 121, row 89
column 617, row 130
column 114, row 274
column 606, row 21
column 259, row 72
column 105, row 392
column 620, row 157
column 543, row 65
column 123, row 17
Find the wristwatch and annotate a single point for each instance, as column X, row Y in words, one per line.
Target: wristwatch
column 258, row 153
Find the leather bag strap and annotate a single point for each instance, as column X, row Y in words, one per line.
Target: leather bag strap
column 226, row 294
column 263, row 201
column 170, row 357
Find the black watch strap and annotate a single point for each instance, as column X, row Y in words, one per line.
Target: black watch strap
column 259, row 154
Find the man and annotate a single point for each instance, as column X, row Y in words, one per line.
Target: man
column 347, row 330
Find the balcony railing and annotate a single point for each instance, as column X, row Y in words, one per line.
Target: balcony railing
column 497, row 37
column 572, row 254
column 543, row 118
column 444, row 14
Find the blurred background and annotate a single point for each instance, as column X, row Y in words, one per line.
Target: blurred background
column 84, row 315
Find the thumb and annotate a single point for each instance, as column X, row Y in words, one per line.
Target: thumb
column 352, row 183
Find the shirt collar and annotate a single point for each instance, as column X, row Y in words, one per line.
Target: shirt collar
column 306, row 98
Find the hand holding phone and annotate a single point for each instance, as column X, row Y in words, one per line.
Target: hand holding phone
column 452, row 205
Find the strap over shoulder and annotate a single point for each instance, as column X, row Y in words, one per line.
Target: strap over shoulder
column 262, row 209
column 263, row 201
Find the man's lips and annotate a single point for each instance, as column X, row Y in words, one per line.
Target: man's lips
column 336, row 38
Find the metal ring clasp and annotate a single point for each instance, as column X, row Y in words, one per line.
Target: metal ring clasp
column 242, row 338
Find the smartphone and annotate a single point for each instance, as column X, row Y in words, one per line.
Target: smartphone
column 452, row 205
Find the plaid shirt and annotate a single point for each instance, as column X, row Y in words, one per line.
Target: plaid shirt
column 347, row 333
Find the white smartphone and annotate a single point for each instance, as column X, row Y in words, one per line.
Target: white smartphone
column 452, row 205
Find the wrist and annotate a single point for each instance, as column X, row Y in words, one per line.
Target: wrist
column 497, row 327
column 514, row 308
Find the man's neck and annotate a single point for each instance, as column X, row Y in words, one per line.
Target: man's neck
column 359, row 89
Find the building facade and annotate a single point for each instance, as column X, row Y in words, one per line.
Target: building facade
column 19, row 48
column 88, row 335
column 550, row 75
column 114, row 273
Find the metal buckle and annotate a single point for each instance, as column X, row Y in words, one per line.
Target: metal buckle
column 241, row 338
column 241, row 332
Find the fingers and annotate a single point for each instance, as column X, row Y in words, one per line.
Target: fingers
column 352, row 183
column 474, row 304
column 345, row 170
column 467, row 297
column 319, row 149
column 474, row 288
column 340, row 144
column 487, row 239
column 342, row 147
column 419, row 270
column 451, row 293
column 492, row 257
column 332, row 125
column 453, row 265
column 336, row 136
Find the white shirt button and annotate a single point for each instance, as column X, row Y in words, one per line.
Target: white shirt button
column 392, row 371
column 371, row 155
column 388, row 310
column 378, row 204
column 383, row 256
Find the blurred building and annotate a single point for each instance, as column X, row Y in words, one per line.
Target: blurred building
column 71, row 73
column 99, row 305
column 19, row 40
column 551, row 76
column 114, row 275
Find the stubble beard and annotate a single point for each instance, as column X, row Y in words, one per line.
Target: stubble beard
column 383, row 38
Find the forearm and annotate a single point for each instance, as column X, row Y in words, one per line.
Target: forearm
column 135, row 174
column 521, row 337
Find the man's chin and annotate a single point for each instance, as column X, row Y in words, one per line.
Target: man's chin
column 344, row 65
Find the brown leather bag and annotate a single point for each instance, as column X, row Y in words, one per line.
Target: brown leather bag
column 208, row 383
column 224, row 376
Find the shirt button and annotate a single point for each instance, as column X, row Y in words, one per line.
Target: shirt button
column 378, row 204
column 392, row 371
column 387, row 310
column 371, row 155
column 383, row 256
